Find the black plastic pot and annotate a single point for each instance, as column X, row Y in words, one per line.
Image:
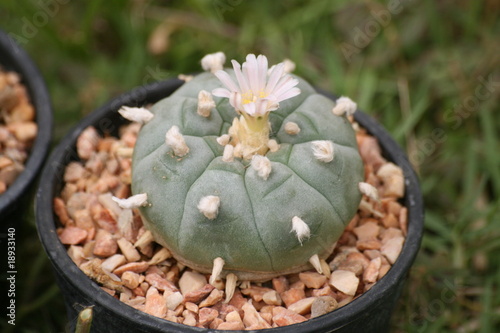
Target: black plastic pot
column 370, row 312
column 14, row 58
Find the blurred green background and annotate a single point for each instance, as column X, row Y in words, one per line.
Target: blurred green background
column 428, row 70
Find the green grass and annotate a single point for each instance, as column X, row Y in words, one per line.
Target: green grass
column 419, row 76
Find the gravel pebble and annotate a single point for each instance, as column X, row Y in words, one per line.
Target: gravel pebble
column 191, row 281
column 344, row 281
column 196, row 296
column 272, row 298
column 18, row 129
column 312, row 280
column 323, row 305
column 214, row 297
column 370, row 275
column 292, row 295
column 392, row 248
column 72, row 235
column 284, row 317
column 303, row 306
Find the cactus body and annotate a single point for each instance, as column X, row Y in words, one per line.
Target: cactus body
column 252, row 229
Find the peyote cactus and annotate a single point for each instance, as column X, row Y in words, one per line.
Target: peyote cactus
column 259, row 195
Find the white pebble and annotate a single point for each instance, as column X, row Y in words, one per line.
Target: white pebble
column 134, row 201
column 344, row 281
column 125, row 152
column 191, row 281
column 174, row 300
column 139, row 115
column 393, row 179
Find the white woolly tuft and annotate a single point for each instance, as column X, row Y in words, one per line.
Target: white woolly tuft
column 185, row 78
column 231, row 280
column 369, row 190
column 292, row 128
column 238, row 150
column 209, row 206
column 213, row 62
column 323, row 150
column 160, row 256
column 273, row 146
column 314, row 260
column 326, row 268
column 217, row 269
column 134, row 201
column 205, row 103
column 344, row 105
column 228, row 155
column 289, row 66
column 138, row 115
column 175, row 140
column 262, row 165
column 223, row 139
column 300, row 228
column 145, row 239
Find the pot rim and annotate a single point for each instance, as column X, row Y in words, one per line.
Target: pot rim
column 14, row 58
column 65, row 152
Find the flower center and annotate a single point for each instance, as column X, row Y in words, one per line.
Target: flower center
column 250, row 97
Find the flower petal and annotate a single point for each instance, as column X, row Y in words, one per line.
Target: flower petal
column 242, row 81
column 221, row 92
column 250, row 69
column 262, row 65
column 274, row 77
column 235, row 100
column 289, row 94
column 226, row 80
column 261, row 107
column 287, row 84
column 256, row 89
column 272, row 105
column 249, row 109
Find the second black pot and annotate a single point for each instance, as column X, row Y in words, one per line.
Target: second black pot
column 370, row 312
column 14, row 58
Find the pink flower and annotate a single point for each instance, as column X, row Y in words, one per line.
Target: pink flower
column 256, row 93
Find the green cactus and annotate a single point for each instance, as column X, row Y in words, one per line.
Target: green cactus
column 209, row 199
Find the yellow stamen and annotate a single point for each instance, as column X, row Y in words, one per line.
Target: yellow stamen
column 249, row 96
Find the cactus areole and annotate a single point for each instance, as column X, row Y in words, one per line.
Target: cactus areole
column 250, row 166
